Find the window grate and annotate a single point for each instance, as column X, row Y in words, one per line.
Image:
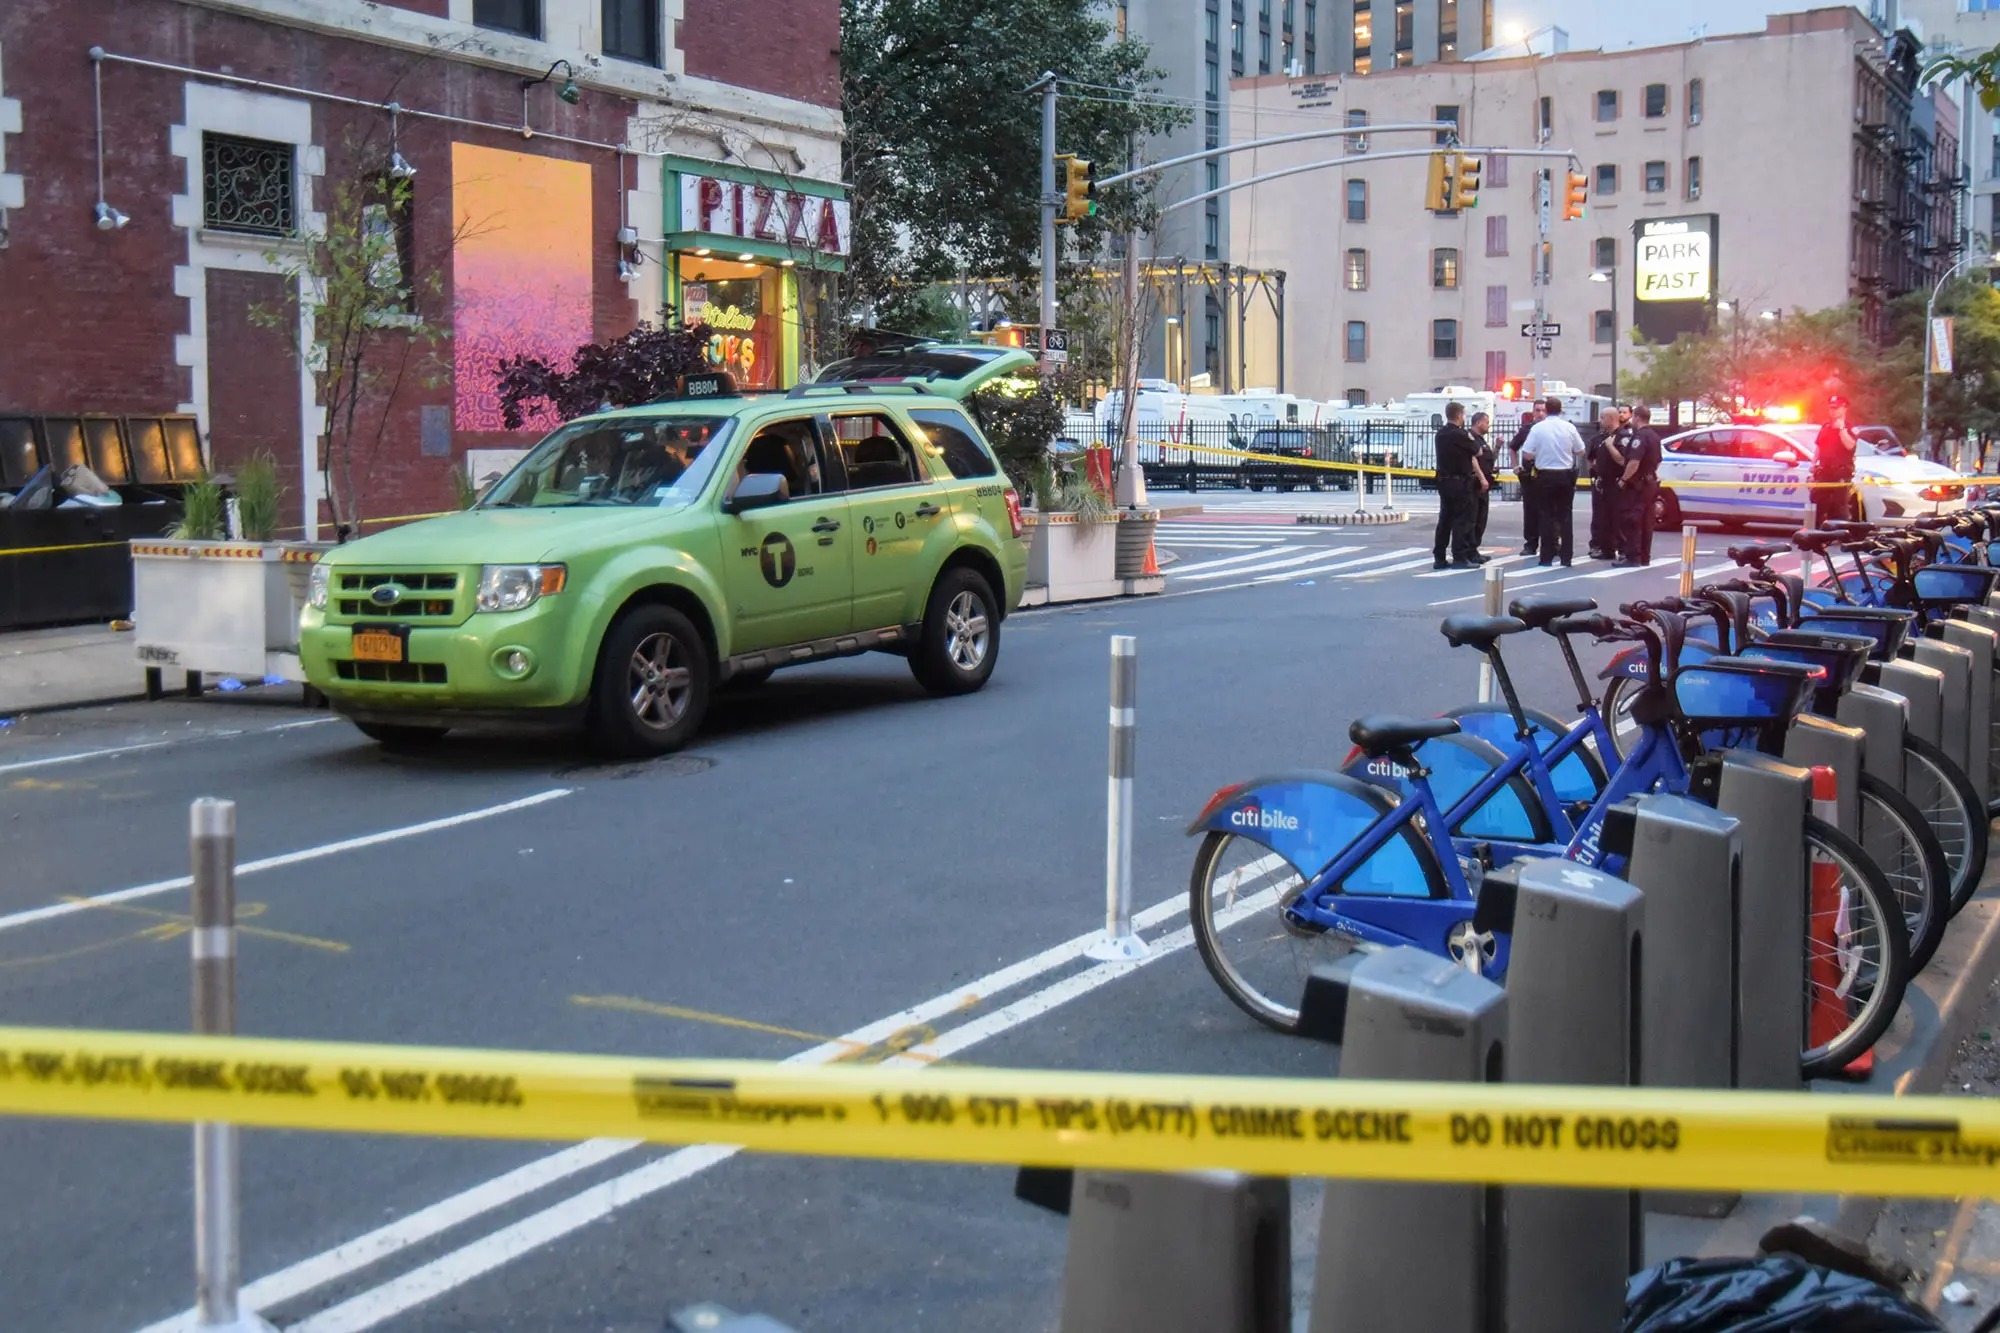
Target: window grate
column 246, row 185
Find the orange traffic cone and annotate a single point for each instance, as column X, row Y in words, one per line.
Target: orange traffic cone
column 1152, row 559
column 1826, row 925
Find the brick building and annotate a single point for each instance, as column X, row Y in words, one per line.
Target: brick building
column 574, row 167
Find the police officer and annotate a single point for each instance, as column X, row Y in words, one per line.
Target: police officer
column 1555, row 448
column 1606, row 463
column 1524, row 471
column 1833, row 466
column 1459, row 485
column 1636, row 487
column 1488, row 463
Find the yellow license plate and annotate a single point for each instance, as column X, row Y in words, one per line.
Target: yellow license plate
column 377, row 646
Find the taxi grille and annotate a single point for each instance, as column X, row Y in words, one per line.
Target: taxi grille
column 425, row 596
column 392, row 673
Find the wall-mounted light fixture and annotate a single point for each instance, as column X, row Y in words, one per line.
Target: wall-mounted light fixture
column 108, row 218
column 399, row 166
column 567, row 90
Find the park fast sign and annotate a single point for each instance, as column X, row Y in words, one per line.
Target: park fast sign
column 1673, row 274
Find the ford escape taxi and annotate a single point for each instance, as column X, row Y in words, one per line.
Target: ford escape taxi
column 635, row 560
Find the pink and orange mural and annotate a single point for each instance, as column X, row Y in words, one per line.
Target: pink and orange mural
column 521, row 277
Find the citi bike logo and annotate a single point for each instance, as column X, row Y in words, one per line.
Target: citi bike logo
column 1385, row 768
column 1251, row 816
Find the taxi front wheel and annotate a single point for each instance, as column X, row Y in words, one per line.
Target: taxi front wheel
column 652, row 683
column 961, row 634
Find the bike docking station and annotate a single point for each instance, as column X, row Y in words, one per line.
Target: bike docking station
column 1982, row 640
column 1814, row 742
column 1922, row 688
column 1955, row 665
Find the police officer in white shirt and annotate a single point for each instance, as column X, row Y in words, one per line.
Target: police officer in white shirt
column 1554, row 448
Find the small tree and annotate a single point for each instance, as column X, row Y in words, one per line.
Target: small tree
column 358, row 325
column 645, row 366
column 1022, row 417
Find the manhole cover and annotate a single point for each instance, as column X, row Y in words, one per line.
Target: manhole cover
column 670, row 766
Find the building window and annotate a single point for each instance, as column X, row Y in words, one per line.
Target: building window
column 1496, row 307
column 1496, row 371
column 246, row 185
column 1214, row 174
column 1604, row 252
column 1357, row 201
column 1444, row 340
column 632, row 29
column 1264, row 52
column 1496, row 235
column 1694, row 178
column 1357, row 340
column 1607, row 179
column 1694, row 101
column 1214, row 31
column 1444, row 268
column 1545, row 119
column 1603, row 327
column 1449, row 113
column 1213, row 239
column 1447, row 29
column 1607, row 105
column 1495, row 167
column 1363, row 66
column 1357, row 143
column 1406, row 28
column 1364, row 37
column 1656, row 100
column 1357, row 397
column 522, row 16
column 1656, row 178
column 1357, row 270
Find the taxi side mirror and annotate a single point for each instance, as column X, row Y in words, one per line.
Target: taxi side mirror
column 759, row 490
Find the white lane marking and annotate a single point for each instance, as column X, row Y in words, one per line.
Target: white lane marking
column 325, row 849
column 1239, row 559
column 453, row 1270
column 1341, row 564
column 375, row 1246
column 1388, row 569
column 1492, row 562
column 113, row 750
column 1182, row 544
column 1616, row 570
column 1282, row 562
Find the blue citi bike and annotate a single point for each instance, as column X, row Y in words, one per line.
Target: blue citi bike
column 1299, row 868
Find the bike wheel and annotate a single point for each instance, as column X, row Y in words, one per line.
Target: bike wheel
column 1857, row 955
column 1949, row 804
column 1904, row 849
column 1237, row 898
column 1617, row 711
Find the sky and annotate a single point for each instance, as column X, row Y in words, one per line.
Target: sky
column 1619, row 23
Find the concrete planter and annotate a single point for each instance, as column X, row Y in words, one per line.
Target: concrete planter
column 1135, row 541
column 1073, row 558
column 220, row 607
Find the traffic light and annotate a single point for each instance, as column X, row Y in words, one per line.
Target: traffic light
column 1574, row 194
column 1079, row 188
column 1437, row 187
column 1465, row 184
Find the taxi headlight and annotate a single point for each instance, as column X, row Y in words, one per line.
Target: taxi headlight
column 318, row 585
column 512, row 587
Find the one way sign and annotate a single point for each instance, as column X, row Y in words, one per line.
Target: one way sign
column 1546, row 329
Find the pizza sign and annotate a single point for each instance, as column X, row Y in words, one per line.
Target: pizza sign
column 764, row 213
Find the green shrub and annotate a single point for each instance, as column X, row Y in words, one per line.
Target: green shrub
column 203, row 516
column 257, row 498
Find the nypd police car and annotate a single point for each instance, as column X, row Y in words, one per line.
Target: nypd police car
column 1736, row 473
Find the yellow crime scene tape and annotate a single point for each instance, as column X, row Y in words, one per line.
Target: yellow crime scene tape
column 1365, row 1129
column 304, row 557
column 1377, row 470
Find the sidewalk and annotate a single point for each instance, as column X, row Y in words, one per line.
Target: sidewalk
column 73, row 665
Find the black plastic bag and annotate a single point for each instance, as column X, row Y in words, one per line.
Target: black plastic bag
column 1780, row 1293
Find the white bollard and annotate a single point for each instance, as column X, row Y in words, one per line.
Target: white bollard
column 1496, row 601
column 1687, row 559
column 217, row 1231
column 1120, row 944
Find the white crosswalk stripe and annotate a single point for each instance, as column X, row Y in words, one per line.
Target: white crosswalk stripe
column 1495, row 562
column 1222, row 544
column 1343, row 564
column 1238, row 571
column 1182, row 571
column 1421, row 562
column 1615, row 571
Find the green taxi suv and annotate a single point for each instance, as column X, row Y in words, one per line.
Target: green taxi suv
column 637, row 560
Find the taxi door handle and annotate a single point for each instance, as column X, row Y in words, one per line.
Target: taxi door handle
column 827, row 525
column 927, row 510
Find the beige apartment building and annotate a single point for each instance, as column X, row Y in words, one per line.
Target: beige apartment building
column 1830, row 177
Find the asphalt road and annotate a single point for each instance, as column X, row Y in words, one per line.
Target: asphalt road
column 837, row 850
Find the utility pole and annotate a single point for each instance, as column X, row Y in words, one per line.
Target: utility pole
column 1544, row 189
column 1047, row 87
column 1129, row 489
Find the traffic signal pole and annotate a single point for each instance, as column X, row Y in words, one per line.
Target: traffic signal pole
column 1048, row 91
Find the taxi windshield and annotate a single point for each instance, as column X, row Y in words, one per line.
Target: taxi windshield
column 625, row 461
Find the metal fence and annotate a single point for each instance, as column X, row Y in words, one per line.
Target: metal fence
column 1209, row 455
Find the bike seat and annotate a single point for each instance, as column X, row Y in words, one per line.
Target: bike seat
column 1755, row 552
column 1386, row 733
column 1932, row 522
column 1479, row 631
column 1819, row 540
column 1537, row 612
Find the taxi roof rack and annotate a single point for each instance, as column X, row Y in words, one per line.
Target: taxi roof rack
column 907, row 384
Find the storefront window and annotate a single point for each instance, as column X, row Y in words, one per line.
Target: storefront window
column 743, row 305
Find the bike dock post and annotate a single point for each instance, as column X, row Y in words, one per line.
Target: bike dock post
column 1982, row 642
column 1814, row 742
column 1923, row 688
column 212, row 945
column 1120, row 944
column 1884, row 719
column 1572, row 1018
column 1769, row 800
column 1131, row 1235
column 1956, row 665
column 1686, row 859
column 1687, row 559
column 1495, row 585
column 1395, row 1256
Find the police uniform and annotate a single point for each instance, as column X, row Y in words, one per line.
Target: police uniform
column 1635, row 496
column 1458, row 491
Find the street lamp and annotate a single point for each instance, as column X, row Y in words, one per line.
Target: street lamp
column 1930, row 313
column 1769, row 316
column 1610, row 275
column 1173, row 350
